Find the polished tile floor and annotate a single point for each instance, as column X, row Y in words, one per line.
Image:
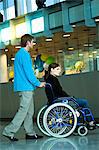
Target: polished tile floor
column 89, row 142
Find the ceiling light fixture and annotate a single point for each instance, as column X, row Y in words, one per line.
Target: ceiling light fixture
column 60, row 51
column 90, row 56
column 12, row 58
column 97, row 20
column 73, row 25
column 17, row 46
column 48, row 40
column 70, row 48
column 6, row 50
column 94, row 52
column 81, row 54
column 88, row 45
column 66, row 35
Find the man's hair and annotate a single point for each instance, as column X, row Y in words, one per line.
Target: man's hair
column 25, row 38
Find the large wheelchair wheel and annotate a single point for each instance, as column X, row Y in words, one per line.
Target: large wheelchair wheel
column 60, row 120
column 40, row 120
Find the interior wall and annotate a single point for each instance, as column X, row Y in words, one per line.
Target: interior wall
column 84, row 85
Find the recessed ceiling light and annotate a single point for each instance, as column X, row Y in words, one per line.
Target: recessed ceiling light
column 70, row 48
column 81, row 54
column 48, row 40
column 17, row 46
column 90, row 56
column 97, row 20
column 60, row 51
column 12, row 58
column 73, row 25
column 94, row 52
column 6, row 50
column 66, row 35
column 88, row 44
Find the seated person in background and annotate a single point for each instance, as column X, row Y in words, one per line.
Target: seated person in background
column 50, row 77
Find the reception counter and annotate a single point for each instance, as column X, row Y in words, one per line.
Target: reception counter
column 85, row 85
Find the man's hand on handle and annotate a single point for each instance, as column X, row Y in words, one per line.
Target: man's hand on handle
column 42, row 84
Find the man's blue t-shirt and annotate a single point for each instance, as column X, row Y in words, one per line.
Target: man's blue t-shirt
column 24, row 77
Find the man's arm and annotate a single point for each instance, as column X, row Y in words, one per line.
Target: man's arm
column 29, row 73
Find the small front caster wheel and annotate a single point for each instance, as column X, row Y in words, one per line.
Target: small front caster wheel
column 82, row 130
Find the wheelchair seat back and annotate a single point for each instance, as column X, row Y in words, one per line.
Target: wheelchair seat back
column 49, row 93
column 51, row 96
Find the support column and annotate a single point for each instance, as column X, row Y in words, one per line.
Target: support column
column 65, row 17
column 5, row 9
column 87, row 14
column 16, row 8
column 47, row 31
column 21, row 10
column 29, row 5
column 97, row 32
column 3, row 68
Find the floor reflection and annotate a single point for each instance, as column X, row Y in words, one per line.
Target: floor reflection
column 88, row 142
column 58, row 144
column 70, row 143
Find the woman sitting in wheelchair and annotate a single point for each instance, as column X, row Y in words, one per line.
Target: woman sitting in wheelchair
column 50, row 77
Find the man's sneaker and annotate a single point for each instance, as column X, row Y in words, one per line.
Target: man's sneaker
column 11, row 138
column 31, row 137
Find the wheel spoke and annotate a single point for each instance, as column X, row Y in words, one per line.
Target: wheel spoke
column 60, row 119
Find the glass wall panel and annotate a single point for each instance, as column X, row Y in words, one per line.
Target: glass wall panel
column 76, row 62
column 1, row 9
column 10, row 3
column 98, row 60
column 1, row 6
column 10, row 12
column 33, row 4
column 7, row 9
column 38, row 25
column 21, row 29
column 52, row 2
column 5, row 34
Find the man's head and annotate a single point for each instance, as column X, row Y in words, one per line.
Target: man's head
column 27, row 41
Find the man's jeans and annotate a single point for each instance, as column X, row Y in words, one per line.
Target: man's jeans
column 24, row 115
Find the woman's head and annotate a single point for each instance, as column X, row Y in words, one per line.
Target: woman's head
column 54, row 69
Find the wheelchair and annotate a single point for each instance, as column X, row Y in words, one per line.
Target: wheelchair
column 63, row 116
